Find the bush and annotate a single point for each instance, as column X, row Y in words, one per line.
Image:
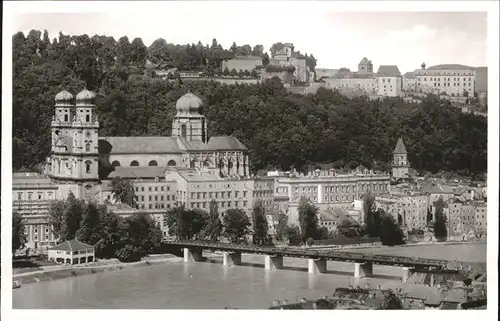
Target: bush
column 129, row 253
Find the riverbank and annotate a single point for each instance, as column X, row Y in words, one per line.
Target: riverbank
column 61, row 271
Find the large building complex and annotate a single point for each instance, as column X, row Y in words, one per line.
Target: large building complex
column 165, row 171
column 386, row 82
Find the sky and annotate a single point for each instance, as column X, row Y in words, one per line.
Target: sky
column 337, row 39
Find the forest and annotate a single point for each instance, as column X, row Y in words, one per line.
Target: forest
column 282, row 130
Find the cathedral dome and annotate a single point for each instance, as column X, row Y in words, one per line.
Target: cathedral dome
column 64, row 97
column 85, row 97
column 189, row 103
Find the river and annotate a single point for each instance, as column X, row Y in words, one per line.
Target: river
column 209, row 285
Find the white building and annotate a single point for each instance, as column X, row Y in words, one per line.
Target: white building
column 389, row 81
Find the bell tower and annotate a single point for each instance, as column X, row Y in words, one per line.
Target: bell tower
column 400, row 164
column 74, row 157
column 188, row 122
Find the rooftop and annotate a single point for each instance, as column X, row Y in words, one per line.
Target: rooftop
column 388, row 71
column 73, row 245
column 450, row 67
column 400, row 147
column 138, row 172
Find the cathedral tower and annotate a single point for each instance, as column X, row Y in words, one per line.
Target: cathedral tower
column 400, row 164
column 74, row 155
column 188, row 122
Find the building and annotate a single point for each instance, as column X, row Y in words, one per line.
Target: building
column 410, row 211
column 290, row 61
column 332, row 219
column 365, row 66
column 82, row 163
column 72, row 252
column 242, row 63
column 389, row 81
column 400, row 163
column 328, row 189
column 481, row 216
column 409, row 82
column 449, row 79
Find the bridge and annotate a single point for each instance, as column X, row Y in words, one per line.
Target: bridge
column 317, row 259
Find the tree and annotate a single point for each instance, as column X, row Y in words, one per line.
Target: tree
column 246, row 73
column 308, row 219
column 292, row 235
column 389, row 231
column 213, row 228
column 90, row 230
column 144, row 234
column 123, row 191
column 233, row 73
column 440, row 230
column 185, row 224
column 71, row 218
column 260, row 226
column 371, row 219
column 236, row 224
column 253, row 73
column 18, row 235
column 226, row 72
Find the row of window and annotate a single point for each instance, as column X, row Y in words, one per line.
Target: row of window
column 136, row 163
column 156, row 206
column 30, row 195
column 202, row 195
column 444, row 84
column 141, row 198
column 150, row 189
column 221, row 204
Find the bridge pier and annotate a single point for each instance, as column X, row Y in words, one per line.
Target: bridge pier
column 193, row 255
column 362, row 270
column 274, row 262
column 316, row 266
column 407, row 273
column 231, row 258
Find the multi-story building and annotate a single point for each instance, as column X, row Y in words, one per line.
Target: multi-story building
column 389, row 81
column 242, row 63
column 290, row 61
column 365, row 66
column 480, row 219
column 409, row 82
column 409, row 210
column 32, row 195
column 449, row 79
column 328, row 189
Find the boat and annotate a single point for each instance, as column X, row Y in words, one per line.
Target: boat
column 16, row 285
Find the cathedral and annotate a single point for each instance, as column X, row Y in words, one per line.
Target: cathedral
column 79, row 157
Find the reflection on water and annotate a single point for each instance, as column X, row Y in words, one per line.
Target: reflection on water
column 204, row 285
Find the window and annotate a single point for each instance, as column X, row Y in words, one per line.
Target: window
column 134, row 163
column 115, row 164
column 171, row 163
column 153, row 163
column 183, row 131
column 87, row 147
column 65, row 117
column 88, row 165
column 87, row 118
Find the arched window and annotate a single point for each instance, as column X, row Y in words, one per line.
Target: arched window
column 116, row 164
column 171, row 163
column 88, row 164
column 206, row 163
column 183, row 131
column 134, row 163
column 87, row 147
column 153, row 163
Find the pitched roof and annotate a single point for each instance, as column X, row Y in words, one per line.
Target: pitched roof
column 365, row 61
column 410, row 75
column 140, row 145
column 338, row 215
column 247, row 58
column 138, row 172
column 388, row 71
column 34, row 182
column 400, row 147
column 450, row 66
column 73, row 245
